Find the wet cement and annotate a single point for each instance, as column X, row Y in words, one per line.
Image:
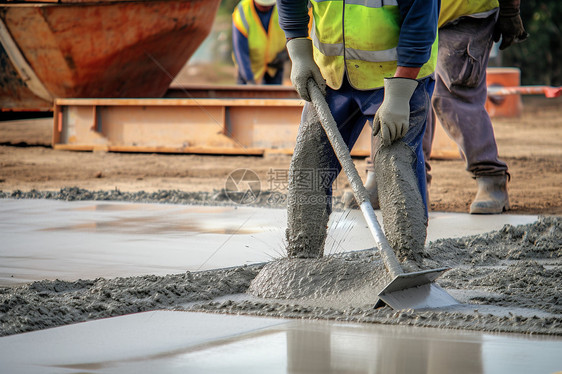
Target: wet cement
column 403, row 211
column 507, row 280
column 333, row 277
column 318, row 142
column 308, row 204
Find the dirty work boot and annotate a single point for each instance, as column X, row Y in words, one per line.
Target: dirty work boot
column 491, row 197
column 348, row 198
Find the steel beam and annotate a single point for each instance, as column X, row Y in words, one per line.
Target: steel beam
column 272, row 91
column 216, row 126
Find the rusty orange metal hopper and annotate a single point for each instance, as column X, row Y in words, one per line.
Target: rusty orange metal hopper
column 99, row 48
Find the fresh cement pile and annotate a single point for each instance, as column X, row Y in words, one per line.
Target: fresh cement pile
column 508, row 280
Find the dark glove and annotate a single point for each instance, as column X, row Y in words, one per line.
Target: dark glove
column 279, row 59
column 509, row 26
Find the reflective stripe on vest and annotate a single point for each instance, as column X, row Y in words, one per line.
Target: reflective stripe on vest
column 342, row 44
column 264, row 45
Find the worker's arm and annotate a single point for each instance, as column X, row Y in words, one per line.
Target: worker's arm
column 293, row 19
column 417, row 34
column 405, row 72
column 241, row 50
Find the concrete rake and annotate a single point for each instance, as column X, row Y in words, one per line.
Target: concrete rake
column 416, row 290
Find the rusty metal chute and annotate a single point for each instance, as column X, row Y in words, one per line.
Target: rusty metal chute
column 98, row 48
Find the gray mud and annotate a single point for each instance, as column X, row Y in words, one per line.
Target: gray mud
column 507, row 280
column 265, row 198
column 329, row 278
column 308, row 209
column 272, row 199
column 403, row 211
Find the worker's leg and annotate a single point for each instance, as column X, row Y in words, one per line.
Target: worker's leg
column 240, row 79
column 313, row 169
column 460, row 95
column 400, row 175
column 348, row 199
column 307, row 204
column 427, row 144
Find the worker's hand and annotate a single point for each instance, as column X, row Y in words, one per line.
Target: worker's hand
column 304, row 67
column 393, row 117
column 509, row 25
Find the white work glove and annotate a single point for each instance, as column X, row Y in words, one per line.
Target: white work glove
column 393, row 117
column 304, row 67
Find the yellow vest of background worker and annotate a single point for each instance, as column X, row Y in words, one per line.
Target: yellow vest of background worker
column 369, row 47
column 264, row 44
column 453, row 9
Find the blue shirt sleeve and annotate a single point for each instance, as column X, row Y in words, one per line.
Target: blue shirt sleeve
column 418, row 31
column 293, row 17
column 241, row 50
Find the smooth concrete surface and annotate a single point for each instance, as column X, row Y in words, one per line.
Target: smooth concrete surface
column 52, row 239
column 182, row 342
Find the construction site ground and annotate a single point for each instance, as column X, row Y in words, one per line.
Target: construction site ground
column 176, row 279
column 531, row 145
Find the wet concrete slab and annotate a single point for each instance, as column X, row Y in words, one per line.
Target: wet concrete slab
column 184, row 342
column 51, row 239
column 48, row 239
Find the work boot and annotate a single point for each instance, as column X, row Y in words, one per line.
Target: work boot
column 348, row 198
column 491, row 197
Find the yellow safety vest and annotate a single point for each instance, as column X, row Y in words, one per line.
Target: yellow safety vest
column 453, row 9
column 344, row 40
column 264, row 44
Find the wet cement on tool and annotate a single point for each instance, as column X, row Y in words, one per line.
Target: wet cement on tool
column 403, row 212
column 507, row 280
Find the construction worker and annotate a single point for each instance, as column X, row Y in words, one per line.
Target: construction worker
column 258, row 43
column 368, row 57
column 460, row 90
column 467, row 30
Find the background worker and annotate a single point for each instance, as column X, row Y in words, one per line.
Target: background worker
column 258, row 43
column 373, row 59
column 467, row 30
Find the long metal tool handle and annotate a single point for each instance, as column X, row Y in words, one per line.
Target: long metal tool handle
column 359, row 190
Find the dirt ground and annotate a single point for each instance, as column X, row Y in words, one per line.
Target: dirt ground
column 531, row 145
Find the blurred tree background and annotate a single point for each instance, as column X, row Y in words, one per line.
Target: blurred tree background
column 540, row 56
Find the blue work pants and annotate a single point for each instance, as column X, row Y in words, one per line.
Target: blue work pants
column 352, row 108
